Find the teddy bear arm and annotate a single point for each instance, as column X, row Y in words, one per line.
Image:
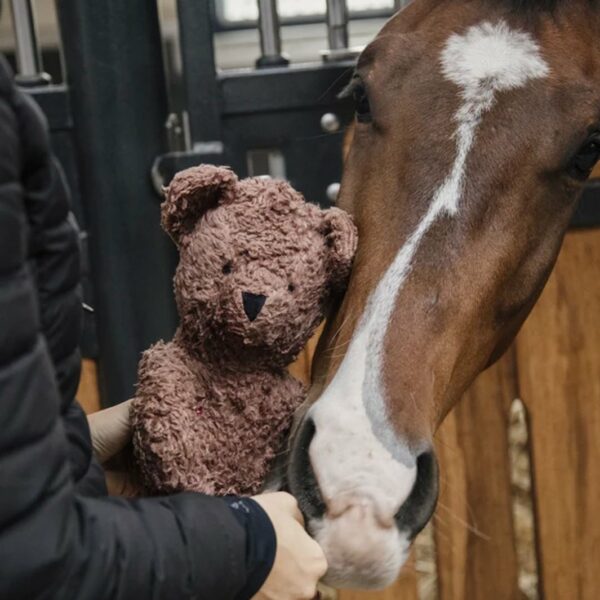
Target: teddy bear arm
column 165, row 378
column 164, row 412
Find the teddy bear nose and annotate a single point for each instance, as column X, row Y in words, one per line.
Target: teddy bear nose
column 253, row 304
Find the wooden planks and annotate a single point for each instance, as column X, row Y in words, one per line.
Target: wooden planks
column 88, row 395
column 558, row 355
column 476, row 551
column 301, row 367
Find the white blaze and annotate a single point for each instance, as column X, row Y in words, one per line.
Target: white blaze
column 355, row 451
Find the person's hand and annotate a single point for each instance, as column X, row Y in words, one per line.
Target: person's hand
column 110, row 430
column 299, row 560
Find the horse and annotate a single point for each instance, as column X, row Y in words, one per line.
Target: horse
column 477, row 124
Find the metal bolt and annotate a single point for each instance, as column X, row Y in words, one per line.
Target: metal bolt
column 333, row 189
column 337, row 24
column 330, row 123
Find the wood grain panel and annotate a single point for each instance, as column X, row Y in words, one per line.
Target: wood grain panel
column 474, row 532
column 558, row 356
column 88, row 395
column 404, row 589
column 301, row 367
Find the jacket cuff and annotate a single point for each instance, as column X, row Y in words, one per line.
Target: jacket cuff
column 261, row 543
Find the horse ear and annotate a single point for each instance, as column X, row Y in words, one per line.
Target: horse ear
column 341, row 237
column 191, row 194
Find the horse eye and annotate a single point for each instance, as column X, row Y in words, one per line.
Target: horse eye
column 361, row 103
column 585, row 160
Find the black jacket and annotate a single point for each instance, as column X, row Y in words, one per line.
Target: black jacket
column 56, row 542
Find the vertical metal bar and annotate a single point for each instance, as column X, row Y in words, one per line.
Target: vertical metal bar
column 29, row 61
column 202, row 94
column 117, row 89
column 337, row 24
column 337, row 32
column 270, row 35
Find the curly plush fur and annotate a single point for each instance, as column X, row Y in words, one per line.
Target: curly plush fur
column 258, row 268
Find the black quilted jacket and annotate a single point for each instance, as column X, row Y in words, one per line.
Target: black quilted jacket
column 56, row 542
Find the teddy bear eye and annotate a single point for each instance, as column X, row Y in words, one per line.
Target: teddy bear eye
column 291, row 287
column 227, row 268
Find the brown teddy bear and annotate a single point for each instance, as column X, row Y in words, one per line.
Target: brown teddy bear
column 258, row 268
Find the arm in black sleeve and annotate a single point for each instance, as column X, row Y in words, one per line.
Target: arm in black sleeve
column 55, row 543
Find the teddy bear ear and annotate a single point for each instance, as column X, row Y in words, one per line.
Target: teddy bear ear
column 191, row 194
column 341, row 237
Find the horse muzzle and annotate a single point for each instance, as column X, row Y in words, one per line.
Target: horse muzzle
column 363, row 527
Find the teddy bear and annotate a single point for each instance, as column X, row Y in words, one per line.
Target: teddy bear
column 258, row 269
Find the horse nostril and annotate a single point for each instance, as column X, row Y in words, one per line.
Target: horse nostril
column 301, row 476
column 253, row 304
column 415, row 513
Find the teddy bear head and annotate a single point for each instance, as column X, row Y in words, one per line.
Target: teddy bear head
column 258, row 265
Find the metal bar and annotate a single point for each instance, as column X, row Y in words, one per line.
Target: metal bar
column 337, row 33
column 117, row 90
column 280, row 89
column 270, row 35
column 337, row 24
column 54, row 101
column 357, row 15
column 199, row 72
column 29, row 61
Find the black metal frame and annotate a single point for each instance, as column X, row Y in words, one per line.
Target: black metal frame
column 245, row 110
column 117, row 90
column 587, row 214
column 108, row 131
